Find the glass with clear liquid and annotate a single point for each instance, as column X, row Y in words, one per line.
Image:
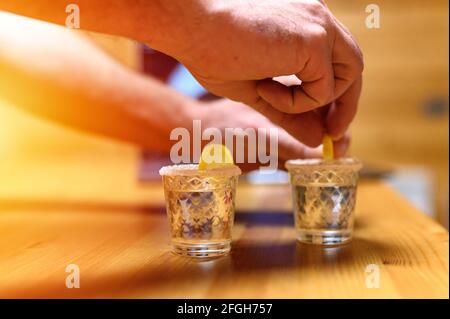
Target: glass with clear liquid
column 324, row 197
column 200, row 208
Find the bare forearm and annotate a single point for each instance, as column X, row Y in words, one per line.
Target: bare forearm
column 56, row 74
column 162, row 24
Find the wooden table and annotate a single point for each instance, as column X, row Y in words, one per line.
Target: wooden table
column 122, row 250
column 68, row 198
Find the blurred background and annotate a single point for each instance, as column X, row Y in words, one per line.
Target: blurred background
column 401, row 130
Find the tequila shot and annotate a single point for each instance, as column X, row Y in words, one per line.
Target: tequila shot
column 324, row 196
column 200, row 208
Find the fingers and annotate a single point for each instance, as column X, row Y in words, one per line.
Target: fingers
column 240, row 91
column 278, row 95
column 309, row 152
column 343, row 110
column 347, row 61
column 317, row 76
column 341, row 146
column 348, row 66
column 279, row 91
column 322, row 82
column 306, row 127
column 317, row 83
column 291, row 148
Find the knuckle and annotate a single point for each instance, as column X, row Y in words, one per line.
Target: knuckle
column 327, row 93
column 359, row 61
column 325, row 98
column 319, row 34
column 357, row 68
column 317, row 7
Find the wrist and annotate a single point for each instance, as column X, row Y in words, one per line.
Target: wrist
column 173, row 26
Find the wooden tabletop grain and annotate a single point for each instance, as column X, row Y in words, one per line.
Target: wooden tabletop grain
column 122, row 250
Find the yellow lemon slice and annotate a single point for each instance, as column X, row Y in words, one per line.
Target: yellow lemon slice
column 328, row 152
column 215, row 156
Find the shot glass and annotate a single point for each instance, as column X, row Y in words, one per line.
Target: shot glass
column 324, row 196
column 200, row 208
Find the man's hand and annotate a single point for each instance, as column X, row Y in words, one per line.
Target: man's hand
column 224, row 113
column 235, row 49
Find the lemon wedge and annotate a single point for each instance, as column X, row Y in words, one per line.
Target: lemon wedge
column 328, row 152
column 215, row 156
